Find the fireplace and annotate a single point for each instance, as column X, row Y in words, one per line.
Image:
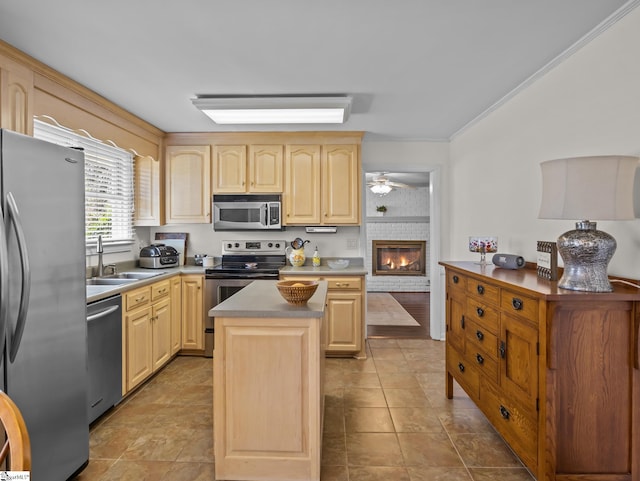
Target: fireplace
column 399, row 258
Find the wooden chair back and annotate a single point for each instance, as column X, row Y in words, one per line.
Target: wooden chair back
column 16, row 447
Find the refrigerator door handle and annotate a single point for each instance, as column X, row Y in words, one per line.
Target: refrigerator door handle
column 4, row 283
column 14, row 216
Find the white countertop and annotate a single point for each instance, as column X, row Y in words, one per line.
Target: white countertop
column 262, row 299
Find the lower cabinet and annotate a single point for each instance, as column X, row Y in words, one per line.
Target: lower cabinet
column 193, row 312
column 147, row 332
column 344, row 314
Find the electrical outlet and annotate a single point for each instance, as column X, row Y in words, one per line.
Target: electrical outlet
column 352, row 244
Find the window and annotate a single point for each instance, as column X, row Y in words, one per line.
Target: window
column 108, row 184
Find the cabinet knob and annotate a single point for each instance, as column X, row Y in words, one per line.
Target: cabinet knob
column 479, row 358
column 479, row 335
column 461, row 367
column 504, row 412
column 456, row 279
column 517, row 303
column 480, row 289
column 480, row 311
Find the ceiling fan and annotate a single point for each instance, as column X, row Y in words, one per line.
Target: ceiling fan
column 381, row 185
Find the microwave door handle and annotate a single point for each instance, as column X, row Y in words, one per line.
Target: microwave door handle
column 265, row 219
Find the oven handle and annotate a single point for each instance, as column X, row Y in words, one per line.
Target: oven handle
column 243, row 276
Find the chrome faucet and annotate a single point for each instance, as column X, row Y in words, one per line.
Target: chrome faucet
column 100, row 250
column 101, row 266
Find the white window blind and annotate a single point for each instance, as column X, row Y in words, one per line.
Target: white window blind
column 108, row 183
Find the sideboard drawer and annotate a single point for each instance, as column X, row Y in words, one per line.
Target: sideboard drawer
column 463, row 371
column 482, row 290
column 520, row 305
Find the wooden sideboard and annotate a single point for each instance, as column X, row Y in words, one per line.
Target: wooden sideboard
column 555, row 371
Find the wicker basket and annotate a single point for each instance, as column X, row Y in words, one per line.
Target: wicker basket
column 297, row 292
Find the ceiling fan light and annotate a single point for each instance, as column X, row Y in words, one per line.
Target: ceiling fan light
column 381, row 189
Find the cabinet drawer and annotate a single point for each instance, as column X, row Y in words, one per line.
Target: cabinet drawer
column 160, row 290
column 517, row 424
column 515, row 303
column 456, row 281
column 482, row 314
column 343, row 283
column 482, row 290
column 137, row 298
column 481, row 338
column 486, row 363
column 464, row 372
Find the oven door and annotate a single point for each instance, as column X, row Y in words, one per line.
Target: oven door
column 216, row 291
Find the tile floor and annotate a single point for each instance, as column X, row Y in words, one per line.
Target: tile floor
column 386, row 418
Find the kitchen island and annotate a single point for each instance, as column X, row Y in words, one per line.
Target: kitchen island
column 268, row 393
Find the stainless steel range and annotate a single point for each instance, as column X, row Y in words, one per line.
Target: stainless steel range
column 243, row 262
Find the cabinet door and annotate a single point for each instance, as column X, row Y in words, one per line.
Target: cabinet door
column 176, row 314
column 343, row 318
column 147, row 191
column 192, row 313
column 265, row 168
column 229, row 168
column 161, row 333
column 16, row 97
column 138, row 345
column 340, row 184
column 302, row 184
column 518, row 351
column 188, row 184
column 455, row 323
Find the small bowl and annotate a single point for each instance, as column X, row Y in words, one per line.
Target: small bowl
column 338, row 263
column 297, row 292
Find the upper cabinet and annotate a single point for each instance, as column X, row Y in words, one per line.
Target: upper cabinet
column 16, row 97
column 236, row 172
column 147, row 200
column 188, row 198
column 322, row 184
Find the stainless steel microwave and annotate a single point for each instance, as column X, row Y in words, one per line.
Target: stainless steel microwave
column 247, row 212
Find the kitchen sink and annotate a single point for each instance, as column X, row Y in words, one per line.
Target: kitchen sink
column 135, row 275
column 103, row 281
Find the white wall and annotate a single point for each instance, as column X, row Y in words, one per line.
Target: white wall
column 587, row 105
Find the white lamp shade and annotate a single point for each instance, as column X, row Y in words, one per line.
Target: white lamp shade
column 588, row 188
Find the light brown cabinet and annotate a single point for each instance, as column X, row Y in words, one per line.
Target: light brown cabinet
column 188, row 181
column 176, row 313
column 555, row 371
column 16, row 97
column 147, row 332
column 344, row 314
column 322, row 184
column 250, row 168
column 147, row 195
column 193, row 312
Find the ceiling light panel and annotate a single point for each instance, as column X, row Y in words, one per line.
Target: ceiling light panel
column 275, row 110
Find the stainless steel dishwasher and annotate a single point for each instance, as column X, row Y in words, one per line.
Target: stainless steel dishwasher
column 104, row 326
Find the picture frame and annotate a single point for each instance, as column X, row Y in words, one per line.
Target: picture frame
column 547, row 260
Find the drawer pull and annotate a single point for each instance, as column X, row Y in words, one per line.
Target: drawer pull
column 504, row 412
column 480, row 311
column 480, row 289
column 461, row 367
column 479, row 335
column 456, row 279
column 342, row 284
column 140, row 299
column 502, row 349
column 517, row 303
column 480, row 359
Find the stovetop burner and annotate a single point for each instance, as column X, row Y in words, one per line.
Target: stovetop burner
column 249, row 259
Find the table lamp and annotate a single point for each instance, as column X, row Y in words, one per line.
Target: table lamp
column 588, row 188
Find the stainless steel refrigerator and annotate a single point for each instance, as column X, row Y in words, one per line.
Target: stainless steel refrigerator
column 43, row 299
